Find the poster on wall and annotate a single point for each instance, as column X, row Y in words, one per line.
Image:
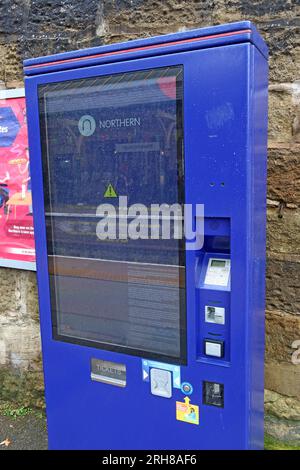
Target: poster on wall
column 16, row 221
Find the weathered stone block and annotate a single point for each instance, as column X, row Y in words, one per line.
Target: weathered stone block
column 259, row 9
column 281, row 331
column 284, row 173
column 19, row 327
column 18, row 294
column 283, row 112
column 19, row 343
column 283, row 229
column 10, row 63
column 61, row 15
column 283, row 378
column 281, row 406
column 31, row 297
column 283, row 38
column 155, row 17
column 282, row 417
column 13, row 15
column 9, row 293
column 43, row 44
column 283, row 285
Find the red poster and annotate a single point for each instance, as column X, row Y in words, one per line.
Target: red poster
column 16, row 221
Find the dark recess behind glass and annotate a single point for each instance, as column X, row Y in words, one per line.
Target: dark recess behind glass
column 142, row 310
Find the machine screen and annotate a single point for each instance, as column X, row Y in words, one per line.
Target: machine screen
column 103, row 138
column 216, row 263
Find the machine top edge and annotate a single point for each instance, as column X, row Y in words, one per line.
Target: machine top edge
column 243, row 31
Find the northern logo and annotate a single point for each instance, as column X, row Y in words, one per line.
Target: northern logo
column 86, row 125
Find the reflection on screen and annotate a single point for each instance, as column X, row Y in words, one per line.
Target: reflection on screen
column 102, row 138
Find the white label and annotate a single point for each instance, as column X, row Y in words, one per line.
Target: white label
column 214, row 314
column 218, row 272
column 213, row 349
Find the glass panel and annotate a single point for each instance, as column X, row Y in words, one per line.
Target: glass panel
column 103, row 138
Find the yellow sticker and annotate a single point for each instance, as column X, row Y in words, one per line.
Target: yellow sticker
column 110, row 191
column 187, row 412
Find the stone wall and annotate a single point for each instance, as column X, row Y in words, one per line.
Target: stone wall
column 21, row 377
column 38, row 27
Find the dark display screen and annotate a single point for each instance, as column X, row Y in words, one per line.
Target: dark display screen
column 217, row 263
column 104, row 138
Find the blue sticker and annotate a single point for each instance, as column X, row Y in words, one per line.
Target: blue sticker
column 186, row 388
column 147, row 365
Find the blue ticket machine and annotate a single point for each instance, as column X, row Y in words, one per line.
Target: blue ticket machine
column 152, row 339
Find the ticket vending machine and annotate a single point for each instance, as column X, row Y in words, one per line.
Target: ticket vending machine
column 152, row 341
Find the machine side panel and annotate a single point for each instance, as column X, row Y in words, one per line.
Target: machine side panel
column 257, row 243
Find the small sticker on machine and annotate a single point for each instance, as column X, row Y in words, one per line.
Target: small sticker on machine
column 187, row 412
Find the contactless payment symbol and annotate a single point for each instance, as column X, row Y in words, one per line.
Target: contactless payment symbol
column 86, row 125
column 186, row 388
column 187, row 412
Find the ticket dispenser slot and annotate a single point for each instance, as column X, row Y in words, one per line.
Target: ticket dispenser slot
column 213, row 285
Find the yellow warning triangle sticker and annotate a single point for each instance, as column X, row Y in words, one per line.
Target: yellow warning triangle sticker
column 110, row 191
